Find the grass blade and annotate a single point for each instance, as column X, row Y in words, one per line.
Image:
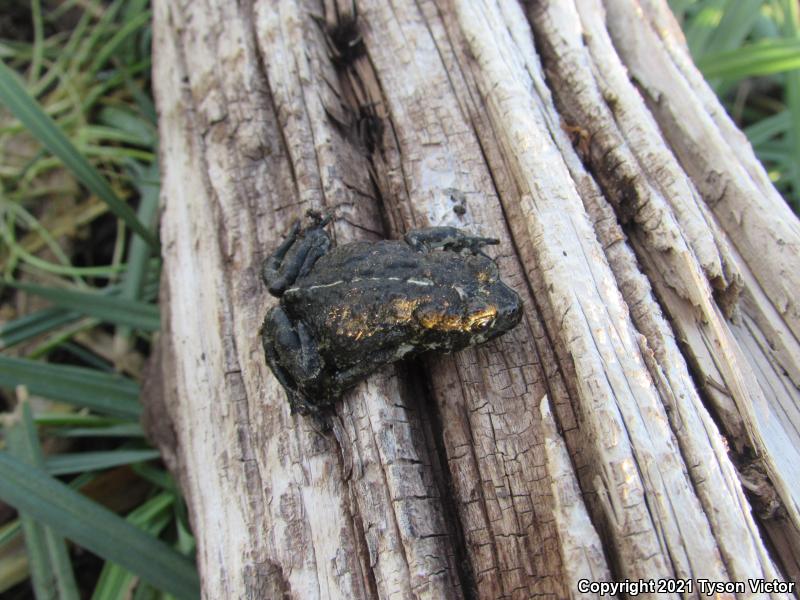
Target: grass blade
column 29, row 326
column 115, row 582
column 700, row 28
column 49, row 319
column 79, row 462
column 105, row 393
column 138, row 129
column 8, row 532
column 791, row 30
column 765, row 58
column 768, row 128
column 96, row 528
column 48, row 559
column 113, row 309
column 71, row 419
column 149, row 185
column 130, row 26
column 736, row 23
column 13, row 559
column 85, row 357
column 27, row 110
column 158, row 477
column 126, row 430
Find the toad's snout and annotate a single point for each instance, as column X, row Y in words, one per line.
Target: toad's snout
column 509, row 308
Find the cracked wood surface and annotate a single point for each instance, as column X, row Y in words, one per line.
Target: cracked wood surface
column 607, row 436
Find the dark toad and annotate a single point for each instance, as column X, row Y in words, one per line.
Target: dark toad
column 344, row 312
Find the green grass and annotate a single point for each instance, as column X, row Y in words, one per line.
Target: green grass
column 79, row 259
column 749, row 51
column 79, row 265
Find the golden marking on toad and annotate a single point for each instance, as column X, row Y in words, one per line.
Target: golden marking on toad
column 403, row 309
column 451, row 322
column 442, row 322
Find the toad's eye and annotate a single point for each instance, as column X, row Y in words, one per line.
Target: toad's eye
column 484, row 271
column 486, row 276
column 482, row 319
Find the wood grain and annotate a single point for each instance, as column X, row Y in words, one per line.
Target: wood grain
column 609, row 435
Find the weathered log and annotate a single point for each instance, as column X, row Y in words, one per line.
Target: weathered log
column 642, row 420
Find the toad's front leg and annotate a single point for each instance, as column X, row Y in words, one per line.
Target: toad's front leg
column 293, row 356
column 296, row 255
column 447, row 238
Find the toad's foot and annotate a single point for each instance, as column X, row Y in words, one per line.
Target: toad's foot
column 296, row 255
column 447, row 238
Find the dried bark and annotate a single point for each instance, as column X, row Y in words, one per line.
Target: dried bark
column 641, row 422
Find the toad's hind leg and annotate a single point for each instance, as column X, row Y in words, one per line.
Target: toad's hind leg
column 293, row 357
column 447, row 238
column 296, row 255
